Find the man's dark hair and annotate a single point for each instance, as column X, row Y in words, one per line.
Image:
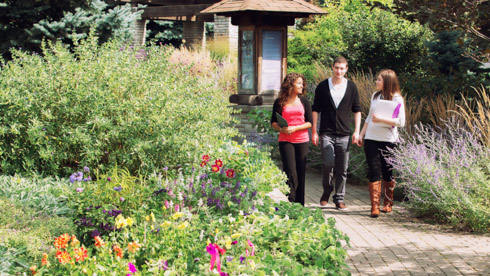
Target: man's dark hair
column 340, row 59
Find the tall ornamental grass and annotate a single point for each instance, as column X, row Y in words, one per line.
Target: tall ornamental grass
column 446, row 174
column 106, row 105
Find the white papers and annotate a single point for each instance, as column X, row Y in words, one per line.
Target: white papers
column 387, row 110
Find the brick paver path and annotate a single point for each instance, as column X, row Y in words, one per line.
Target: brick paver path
column 394, row 244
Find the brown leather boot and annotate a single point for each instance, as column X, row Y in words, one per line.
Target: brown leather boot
column 375, row 194
column 389, row 188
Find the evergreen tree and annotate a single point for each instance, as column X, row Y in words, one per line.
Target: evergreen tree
column 24, row 24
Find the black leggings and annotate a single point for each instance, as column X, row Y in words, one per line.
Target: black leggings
column 294, row 165
column 376, row 154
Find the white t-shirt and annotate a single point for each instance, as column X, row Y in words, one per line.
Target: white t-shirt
column 337, row 94
column 384, row 133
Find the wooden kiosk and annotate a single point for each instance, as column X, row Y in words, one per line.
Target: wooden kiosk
column 262, row 43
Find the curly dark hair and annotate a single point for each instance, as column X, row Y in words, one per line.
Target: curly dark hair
column 287, row 87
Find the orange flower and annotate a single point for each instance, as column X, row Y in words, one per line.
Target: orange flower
column 44, row 261
column 133, row 247
column 99, row 242
column 205, row 157
column 80, row 254
column 63, row 257
column 118, row 250
column 215, row 168
column 33, row 269
column 218, row 163
column 62, row 241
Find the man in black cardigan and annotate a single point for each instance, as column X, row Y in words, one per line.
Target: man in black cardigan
column 336, row 99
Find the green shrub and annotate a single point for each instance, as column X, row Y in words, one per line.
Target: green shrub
column 105, row 105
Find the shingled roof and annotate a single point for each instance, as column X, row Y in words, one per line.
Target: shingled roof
column 280, row 6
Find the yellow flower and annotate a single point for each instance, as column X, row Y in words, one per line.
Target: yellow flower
column 216, row 231
column 129, row 221
column 121, row 222
column 152, row 217
column 236, row 235
column 151, row 227
column 183, row 225
column 177, row 215
column 74, row 241
column 228, row 243
column 252, row 264
column 166, row 224
column 147, row 218
column 208, row 241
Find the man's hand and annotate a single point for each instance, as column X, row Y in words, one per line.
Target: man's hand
column 314, row 139
column 355, row 137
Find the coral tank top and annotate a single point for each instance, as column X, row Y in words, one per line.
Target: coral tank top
column 295, row 116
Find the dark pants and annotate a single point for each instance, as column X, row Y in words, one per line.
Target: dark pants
column 376, row 154
column 335, row 155
column 294, row 165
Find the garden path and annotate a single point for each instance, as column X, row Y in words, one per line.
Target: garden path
column 397, row 243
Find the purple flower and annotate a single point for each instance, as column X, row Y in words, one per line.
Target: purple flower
column 73, row 177
column 86, row 169
column 196, row 260
column 117, row 188
column 229, row 258
column 121, row 198
column 242, row 259
column 109, row 179
column 165, row 168
column 87, row 179
column 163, row 265
column 79, row 190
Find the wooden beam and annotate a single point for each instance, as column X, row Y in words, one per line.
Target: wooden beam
column 172, row 11
column 164, row 2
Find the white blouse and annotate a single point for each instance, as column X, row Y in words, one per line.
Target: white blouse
column 383, row 133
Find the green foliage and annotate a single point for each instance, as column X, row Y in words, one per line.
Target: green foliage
column 105, row 105
column 26, row 23
column 47, row 196
column 469, row 16
column 164, row 32
column 26, row 234
column 368, row 38
column 446, row 70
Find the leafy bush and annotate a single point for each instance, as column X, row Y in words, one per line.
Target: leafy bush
column 106, row 105
column 445, row 173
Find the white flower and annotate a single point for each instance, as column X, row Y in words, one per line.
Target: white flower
column 220, row 221
column 286, row 217
column 241, row 213
column 232, row 219
column 199, row 202
column 260, row 202
column 180, row 197
column 201, row 236
column 171, row 204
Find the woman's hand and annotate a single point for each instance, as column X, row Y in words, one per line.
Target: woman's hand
column 376, row 118
column 288, row 130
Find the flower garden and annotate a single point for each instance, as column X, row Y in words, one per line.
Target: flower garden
column 119, row 161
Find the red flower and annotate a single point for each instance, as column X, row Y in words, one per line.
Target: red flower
column 118, row 250
column 99, row 242
column 215, row 168
column 230, row 173
column 218, row 163
column 63, row 257
column 62, row 241
column 205, row 157
column 203, row 164
column 80, row 254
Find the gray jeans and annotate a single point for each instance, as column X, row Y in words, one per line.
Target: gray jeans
column 335, row 157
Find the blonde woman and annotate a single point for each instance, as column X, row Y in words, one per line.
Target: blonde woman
column 380, row 133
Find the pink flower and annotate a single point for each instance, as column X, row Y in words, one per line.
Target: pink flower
column 131, row 268
column 205, row 157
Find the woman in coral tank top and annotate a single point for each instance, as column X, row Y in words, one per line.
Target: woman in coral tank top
column 293, row 139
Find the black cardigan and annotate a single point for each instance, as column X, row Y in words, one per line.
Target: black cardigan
column 306, row 105
column 336, row 121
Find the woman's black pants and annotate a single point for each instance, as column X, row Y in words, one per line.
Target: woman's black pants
column 293, row 157
column 376, row 154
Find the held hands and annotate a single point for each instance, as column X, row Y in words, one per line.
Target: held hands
column 314, row 138
column 360, row 140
